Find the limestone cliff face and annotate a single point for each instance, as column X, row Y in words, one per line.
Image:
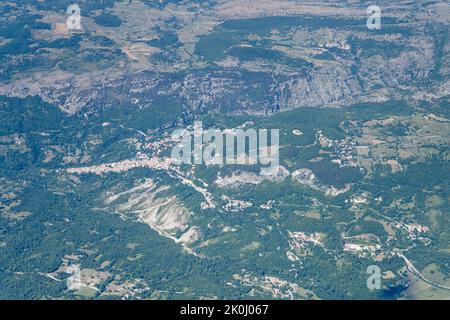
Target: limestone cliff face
column 235, row 90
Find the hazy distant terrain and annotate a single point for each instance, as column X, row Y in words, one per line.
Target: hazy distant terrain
column 87, row 180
